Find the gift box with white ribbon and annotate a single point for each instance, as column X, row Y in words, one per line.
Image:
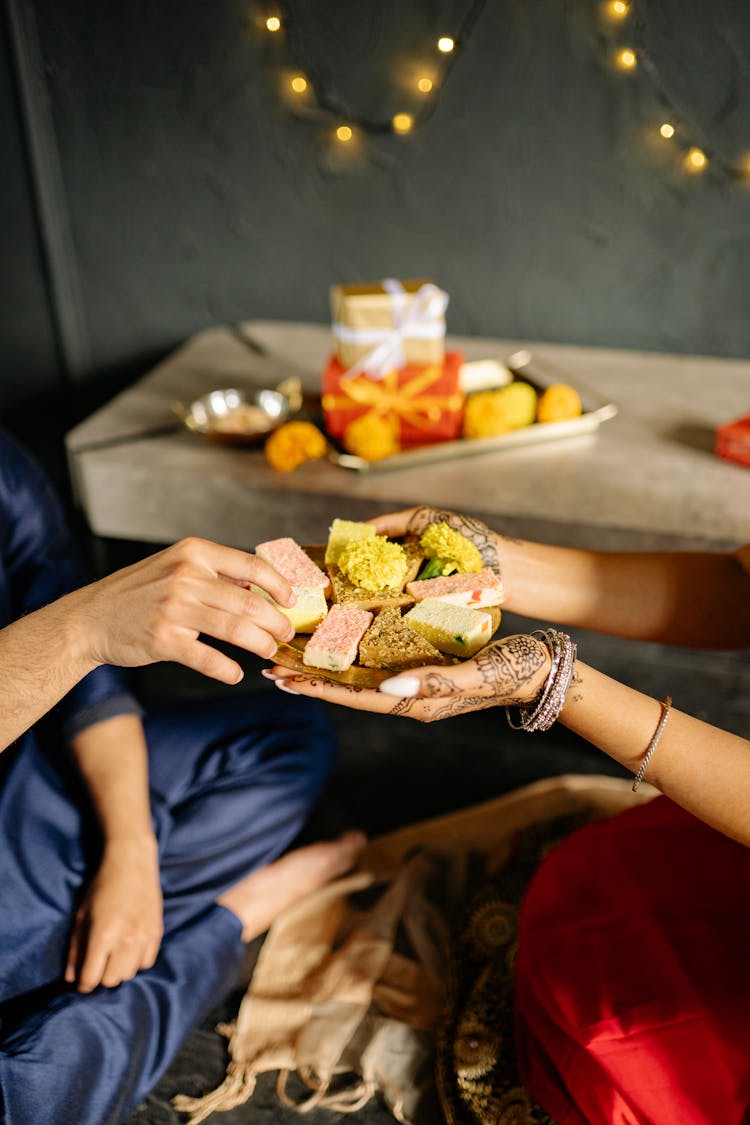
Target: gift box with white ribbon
column 386, row 325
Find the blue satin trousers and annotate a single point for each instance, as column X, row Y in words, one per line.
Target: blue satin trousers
column 232, row 784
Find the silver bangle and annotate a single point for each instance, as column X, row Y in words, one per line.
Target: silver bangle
column 547, row 707
column 665, row 708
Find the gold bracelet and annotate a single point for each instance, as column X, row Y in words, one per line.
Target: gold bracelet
column 665, row 706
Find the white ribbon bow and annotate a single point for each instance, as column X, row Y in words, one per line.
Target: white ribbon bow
column 416, row 316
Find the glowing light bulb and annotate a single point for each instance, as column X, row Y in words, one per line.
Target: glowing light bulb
column 298, row 84
column 402, row 123
column 626, row 59
column 344, row 133
column 445, row 44
column 424, row 85
column 696, row 159
column 273, row 23
column 667, row 130
column 618, row 9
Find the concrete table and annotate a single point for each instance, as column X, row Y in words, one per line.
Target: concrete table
column 647, row 477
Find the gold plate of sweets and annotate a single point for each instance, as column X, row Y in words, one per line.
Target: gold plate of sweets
column 394, row 603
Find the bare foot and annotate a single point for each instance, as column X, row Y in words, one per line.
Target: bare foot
column 260, row 897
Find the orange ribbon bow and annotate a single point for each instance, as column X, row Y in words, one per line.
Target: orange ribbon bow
column 386, row 398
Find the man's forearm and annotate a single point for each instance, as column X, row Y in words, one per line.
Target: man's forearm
column 42, row 656
column 113, row 760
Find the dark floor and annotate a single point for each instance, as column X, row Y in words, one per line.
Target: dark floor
column 394, row 771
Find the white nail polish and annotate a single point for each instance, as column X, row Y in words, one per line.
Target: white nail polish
column 269, row 674
column 282, row 686
column 401, row 686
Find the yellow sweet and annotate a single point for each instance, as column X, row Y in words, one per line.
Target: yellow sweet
column 292, row 444
column 440, row 541
column 558, row 403
column 374, row 563
column 491, row 413
column 342, row 532
column 371, row 437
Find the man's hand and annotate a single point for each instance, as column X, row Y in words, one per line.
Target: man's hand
column 158, row 608
column 119, row 925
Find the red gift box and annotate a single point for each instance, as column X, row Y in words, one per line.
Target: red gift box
column 733, row 441
column 426, row 402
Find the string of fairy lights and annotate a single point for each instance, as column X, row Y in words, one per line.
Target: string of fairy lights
column 309, row 94
column 692, row 152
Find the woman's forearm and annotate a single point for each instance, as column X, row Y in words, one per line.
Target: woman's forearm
column 697, row 599
column 702, row 768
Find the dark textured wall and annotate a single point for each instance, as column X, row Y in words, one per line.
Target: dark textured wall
column 28, row 362
column 534, row 193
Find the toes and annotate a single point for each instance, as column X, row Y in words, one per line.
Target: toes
column 353, row 842
column 347, row 850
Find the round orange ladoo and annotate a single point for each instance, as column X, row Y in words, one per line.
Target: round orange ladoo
column 558, row 403
column 292, row 444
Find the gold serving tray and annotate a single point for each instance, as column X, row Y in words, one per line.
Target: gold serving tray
column 289, row 655
column 531, row 369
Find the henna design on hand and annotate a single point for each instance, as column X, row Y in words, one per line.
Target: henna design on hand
column 435, row 684
column 434, row 709
column 420, row 519
column 508, row 666
column 460, row 705
column 404, row 706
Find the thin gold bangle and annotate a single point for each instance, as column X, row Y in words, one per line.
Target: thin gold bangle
column 665, row 707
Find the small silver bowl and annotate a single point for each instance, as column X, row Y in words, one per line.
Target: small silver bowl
column 236, row 416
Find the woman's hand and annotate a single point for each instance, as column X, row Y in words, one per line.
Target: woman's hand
column 507, row 672
column 413, row 521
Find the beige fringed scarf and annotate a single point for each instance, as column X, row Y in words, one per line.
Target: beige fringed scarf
column 344, row 987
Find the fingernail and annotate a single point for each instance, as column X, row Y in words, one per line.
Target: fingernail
column 400, row 685
column 282, row 686
column 292, row 599
column 269, row 674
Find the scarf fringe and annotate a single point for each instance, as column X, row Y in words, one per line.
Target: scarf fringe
column 237, row 1088
column 345, row 1101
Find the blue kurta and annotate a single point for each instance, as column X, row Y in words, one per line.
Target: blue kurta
column 232, row 784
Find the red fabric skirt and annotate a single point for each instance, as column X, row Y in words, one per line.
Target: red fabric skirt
column 633, row 974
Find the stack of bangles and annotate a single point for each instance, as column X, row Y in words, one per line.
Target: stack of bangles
column 545, row 710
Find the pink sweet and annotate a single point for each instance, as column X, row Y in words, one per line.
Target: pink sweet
column 483, row 588
column 292, row 563
column 334, row 643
